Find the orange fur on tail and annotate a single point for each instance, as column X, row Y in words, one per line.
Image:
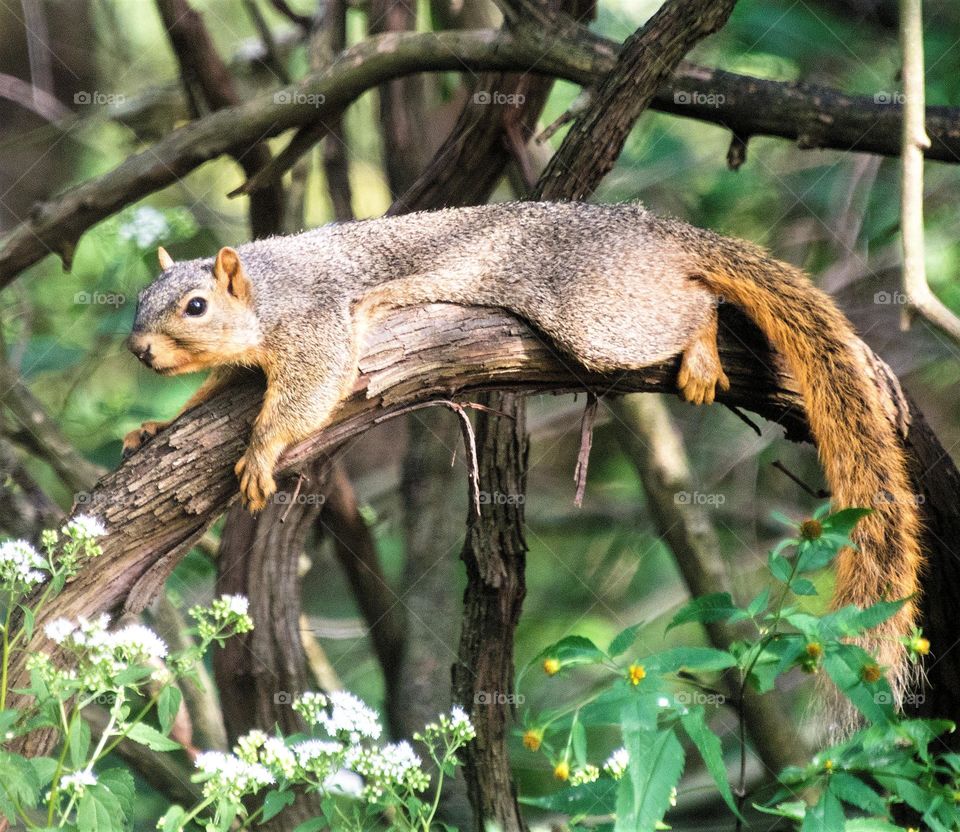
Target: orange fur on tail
column 857, row 442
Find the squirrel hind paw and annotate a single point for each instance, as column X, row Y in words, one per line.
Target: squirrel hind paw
column 701, row 374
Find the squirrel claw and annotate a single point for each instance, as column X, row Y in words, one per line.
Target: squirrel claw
column 135, row 439
column 256, row 483
column 701, row 374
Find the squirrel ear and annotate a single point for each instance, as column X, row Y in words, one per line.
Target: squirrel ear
column 166, row 261
column 229, row 274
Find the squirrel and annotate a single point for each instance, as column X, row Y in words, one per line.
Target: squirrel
column 613, row 286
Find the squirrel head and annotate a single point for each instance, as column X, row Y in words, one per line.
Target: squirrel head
column 196, row 315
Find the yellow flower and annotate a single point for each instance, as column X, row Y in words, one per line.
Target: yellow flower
column 562, row 770
column 920, row 646
column 532, row 739
column 871, row 673
column 828, row 765
column 814, row 650
column 636, row 674
column 551, row 666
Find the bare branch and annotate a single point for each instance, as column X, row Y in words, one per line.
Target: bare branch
column 920, row 298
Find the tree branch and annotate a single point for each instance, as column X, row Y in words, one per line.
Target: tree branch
column 812, row 116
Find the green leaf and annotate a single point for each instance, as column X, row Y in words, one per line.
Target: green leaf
column 572, row 650
column 172, row 820
column 29, row 619
column 623, row 641
column 19, row 779
column 844, row 664
column 826, row 816
column 857, row 793
column 696, row 659
column 656, row 764
column 759, row 604
column 717, row 606
column 119, row 782
column 801, row 586
column 168, row 704
column 579, row 742
column 79, row 740
column 99, row 811
column 7, row 720
column 275, row 802
column 694, row 722
column 312, row 825
column 844, row 521
column 779, row 567
column 152, row 738
column 597, row 798
column 45, row 768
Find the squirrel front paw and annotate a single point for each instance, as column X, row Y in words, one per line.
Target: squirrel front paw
column 256, row 481
column 133, row 440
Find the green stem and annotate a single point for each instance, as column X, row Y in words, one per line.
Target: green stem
column 5, row 656
column 55, row 782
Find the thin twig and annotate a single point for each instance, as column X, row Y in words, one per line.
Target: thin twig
column 819, row 493
column 586, row 442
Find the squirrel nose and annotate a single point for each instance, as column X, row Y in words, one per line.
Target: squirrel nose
column 139, row 345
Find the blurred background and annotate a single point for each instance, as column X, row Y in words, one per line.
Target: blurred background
column 110, row 86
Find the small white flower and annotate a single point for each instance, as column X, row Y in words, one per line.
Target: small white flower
column 59, row 630
column 20, row 565
column 78, row 782
column 617, row 763
column 277, row 757
column 231, row 777
column 138, row 643
column 349, row 717
column 84, row 526
column 310, row 706
column 236, row 604
column 310, row 750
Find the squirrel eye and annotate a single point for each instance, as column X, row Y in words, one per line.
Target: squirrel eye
column 196, row 306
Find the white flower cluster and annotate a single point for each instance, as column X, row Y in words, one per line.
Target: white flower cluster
column 83, row 526
column 616, row 764
column 584, row 774
column 395, row 766
column 310, row 706
column 230, row 777
column 455, row 729
column 102, row 654
column 146, row 227
column 21, row 566
column 349, row 719
column 226, row 615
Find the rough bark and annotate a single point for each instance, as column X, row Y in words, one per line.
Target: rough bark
column 647, row 59
column 258, row 674
column 495, row 557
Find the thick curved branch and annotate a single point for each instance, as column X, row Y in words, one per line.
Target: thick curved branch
column 160, row 501
column 812, row 116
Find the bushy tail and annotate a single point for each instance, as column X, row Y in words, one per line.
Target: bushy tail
column 857, row 442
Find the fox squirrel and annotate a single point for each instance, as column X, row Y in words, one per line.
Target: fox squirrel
column 614, row 286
